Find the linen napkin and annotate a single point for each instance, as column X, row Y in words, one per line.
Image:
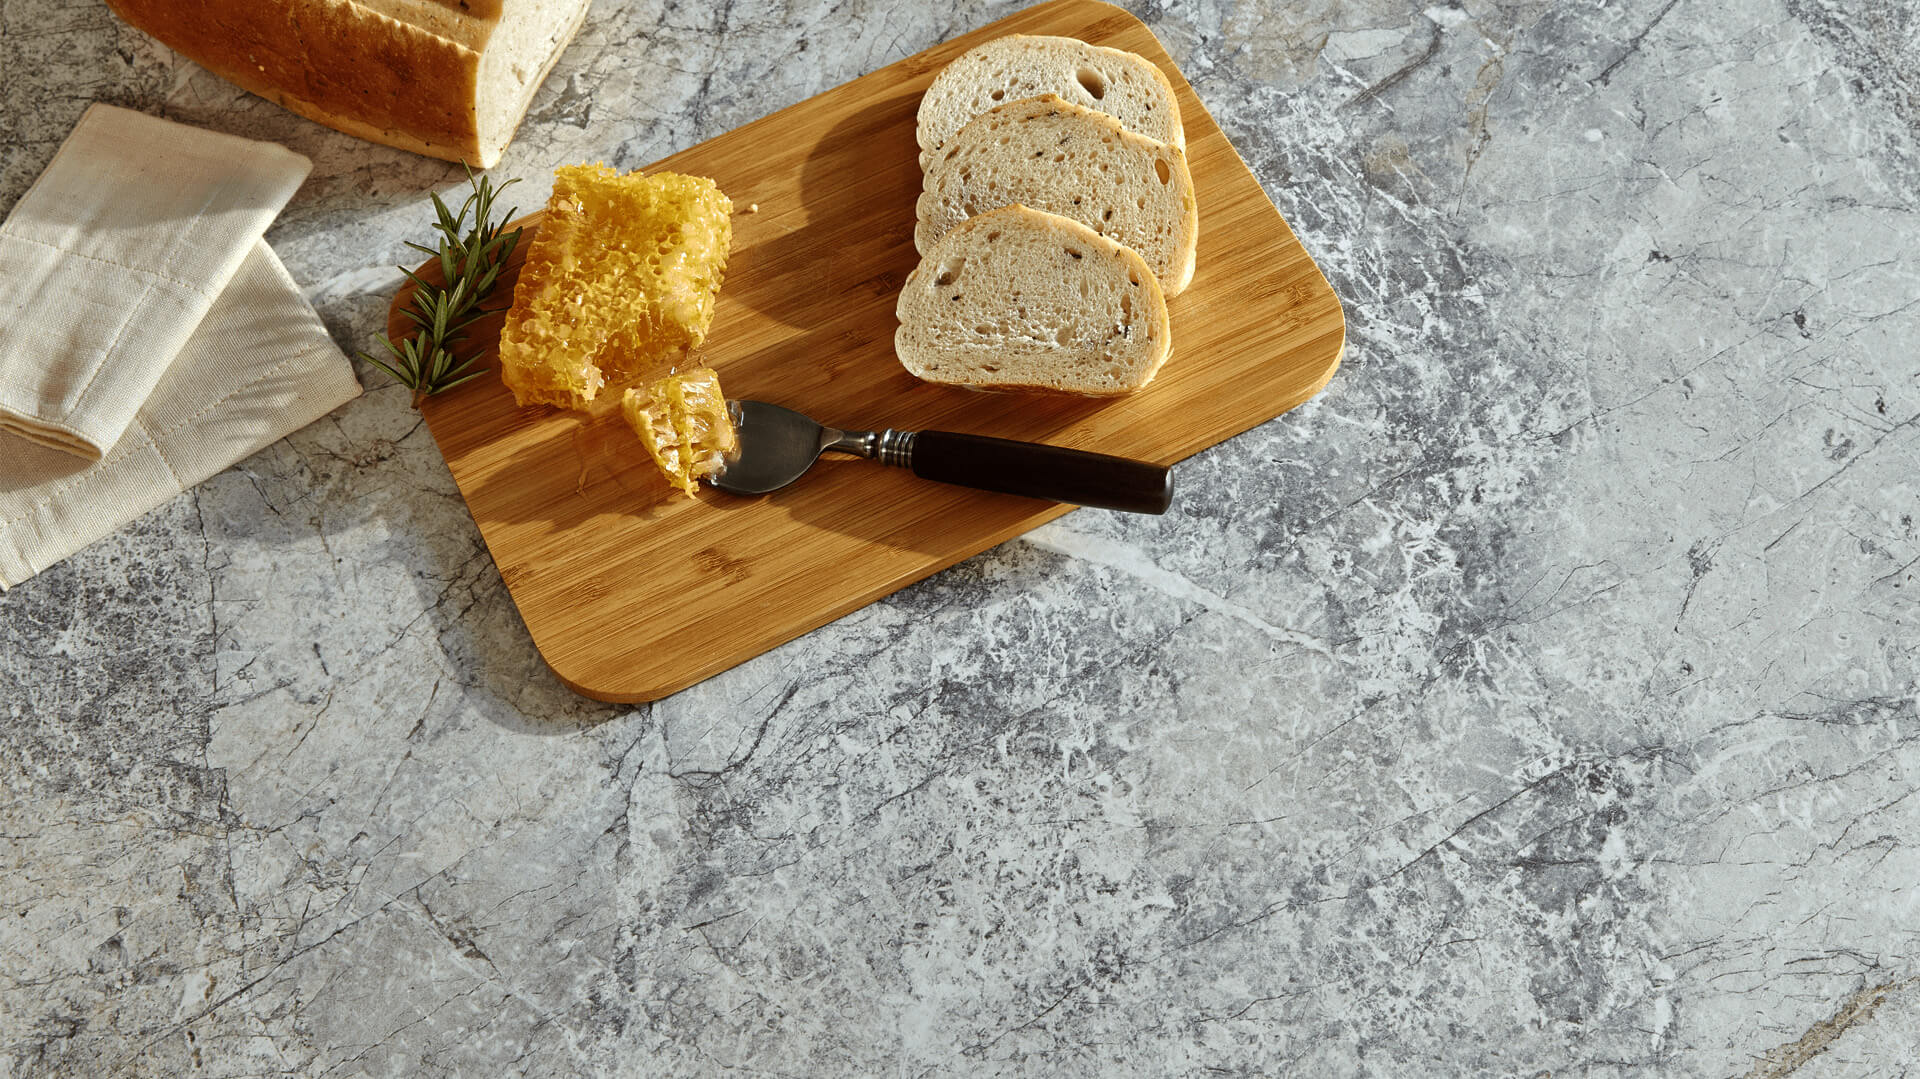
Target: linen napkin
column 112, row 258
column 178, row 326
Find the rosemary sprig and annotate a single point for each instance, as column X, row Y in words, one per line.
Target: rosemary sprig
column 470, row 259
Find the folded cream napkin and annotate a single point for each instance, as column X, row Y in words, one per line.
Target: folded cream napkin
column 112, row 258
column 151, row 337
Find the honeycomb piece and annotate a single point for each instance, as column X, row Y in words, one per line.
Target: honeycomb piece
column 684, row 422
column 619, row 280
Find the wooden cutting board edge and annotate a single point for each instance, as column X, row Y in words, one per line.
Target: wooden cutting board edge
column 930, row 60
column 833, row 613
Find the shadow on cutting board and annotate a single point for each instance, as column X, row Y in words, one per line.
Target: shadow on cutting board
column 844, row 234
column 806, row 320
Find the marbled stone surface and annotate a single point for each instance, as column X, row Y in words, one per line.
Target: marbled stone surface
column 1541, row 699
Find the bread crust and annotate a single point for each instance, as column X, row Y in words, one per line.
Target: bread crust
column 1049, row 165
column 920, row 339
column 404, row 73
column 944, row 108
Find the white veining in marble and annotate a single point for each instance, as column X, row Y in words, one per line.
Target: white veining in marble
column 1543, row 698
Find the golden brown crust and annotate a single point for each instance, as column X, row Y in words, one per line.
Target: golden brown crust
column 400, row 72
column 313, row 59
column 468, row 22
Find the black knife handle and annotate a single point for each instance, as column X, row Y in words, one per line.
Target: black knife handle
column 1040, row 471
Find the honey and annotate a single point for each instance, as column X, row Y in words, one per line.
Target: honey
column 684, row 422
column 619, row 281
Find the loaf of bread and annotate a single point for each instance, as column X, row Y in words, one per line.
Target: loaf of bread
column 1048, row 154
column 684, row 422
column 619, row 282
column 445, row 78
column 1125, row 85
column 1021, row 299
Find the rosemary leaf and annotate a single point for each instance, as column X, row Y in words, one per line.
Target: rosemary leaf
column 470, row 260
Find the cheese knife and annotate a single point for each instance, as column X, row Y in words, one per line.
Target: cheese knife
column 779, row 445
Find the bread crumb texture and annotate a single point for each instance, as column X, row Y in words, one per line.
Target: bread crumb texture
column 1052, row 155
column 684, row 423
column 619, row 280
column 1124, row 85
column 1020, row 299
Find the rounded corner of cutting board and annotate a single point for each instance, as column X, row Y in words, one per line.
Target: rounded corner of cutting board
column 594, row 685
column 1340, row 343
column 1105, row 9
column 476, row 429
column 1333, row 366
column 586, row 675
column 1337, row 331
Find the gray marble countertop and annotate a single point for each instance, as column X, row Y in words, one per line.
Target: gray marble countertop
column 1540, row 699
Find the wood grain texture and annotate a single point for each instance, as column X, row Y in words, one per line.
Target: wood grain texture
column 632, row 591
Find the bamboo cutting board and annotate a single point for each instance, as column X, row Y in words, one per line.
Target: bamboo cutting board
column 632, row 592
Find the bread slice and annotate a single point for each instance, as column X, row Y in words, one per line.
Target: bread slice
column 1020, row 299
column 1048, row 154
column 446, row 78
column 1124, row 85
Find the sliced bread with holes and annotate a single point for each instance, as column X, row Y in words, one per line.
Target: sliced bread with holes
column 1020, row 299
column 1125, row 85
column 1052, row 155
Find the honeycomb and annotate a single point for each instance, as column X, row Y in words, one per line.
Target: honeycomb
column 619, row 280
column 684, row 422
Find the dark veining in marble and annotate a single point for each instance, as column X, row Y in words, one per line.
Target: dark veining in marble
column 1540, row 698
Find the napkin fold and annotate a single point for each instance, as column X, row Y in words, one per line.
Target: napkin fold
column 112, row 258
column 152, row 337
